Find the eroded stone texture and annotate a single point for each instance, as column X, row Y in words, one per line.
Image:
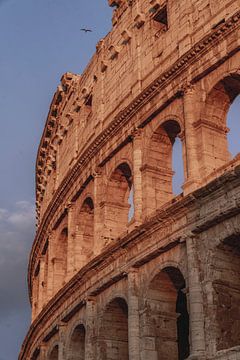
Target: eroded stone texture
column 121, row 267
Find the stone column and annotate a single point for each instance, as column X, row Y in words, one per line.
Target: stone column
column 71, row 241
column 43, row 352
column 90, row 340
column 192, row 165
column 41, row 283
column 137, row 175
column 98, row 215
column 133, row 316
column 62, row 341
column 50, row 282
column 197, row 335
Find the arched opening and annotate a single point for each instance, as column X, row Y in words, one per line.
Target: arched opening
column 113, row 337
column 226, row 294
column 54, row 353
column 131, row 203
column 77, row 344
column 177, row 166
column 233, row 123
column 158, row 171
column 213, row 125
column 118, row 206
column 165, row 320
column 60, row 261
column 85, row 232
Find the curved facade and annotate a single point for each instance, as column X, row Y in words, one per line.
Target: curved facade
column 121, row 267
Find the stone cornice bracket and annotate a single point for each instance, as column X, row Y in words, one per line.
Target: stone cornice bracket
column 126, row 35
column 114, row 51
column 100, row 46
column 103, row 66
column 115, row 3
column 139, row 20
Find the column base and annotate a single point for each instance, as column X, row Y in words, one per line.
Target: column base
column 191, row 185
column 200, row 356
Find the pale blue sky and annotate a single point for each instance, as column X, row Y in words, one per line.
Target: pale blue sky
column 40, row 40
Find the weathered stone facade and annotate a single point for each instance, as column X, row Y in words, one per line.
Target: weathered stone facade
column 164, row 284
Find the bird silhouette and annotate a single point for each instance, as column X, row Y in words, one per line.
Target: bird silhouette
column 86, row 30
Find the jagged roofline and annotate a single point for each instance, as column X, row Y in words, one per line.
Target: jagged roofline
column 50, row 125
column 54, row 106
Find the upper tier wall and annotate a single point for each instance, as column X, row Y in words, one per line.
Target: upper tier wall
column 136, row 52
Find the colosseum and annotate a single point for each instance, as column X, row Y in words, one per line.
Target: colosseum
column 121, row 267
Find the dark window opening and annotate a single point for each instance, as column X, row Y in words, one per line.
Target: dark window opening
column 161, row 18
column 88, row 100
column 182, row 326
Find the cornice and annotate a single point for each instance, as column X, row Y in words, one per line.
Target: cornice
column 120, row 120
column 163, row 218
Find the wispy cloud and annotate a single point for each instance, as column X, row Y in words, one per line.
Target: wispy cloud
column 16, row 236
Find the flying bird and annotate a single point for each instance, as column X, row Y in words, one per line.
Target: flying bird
column 86, row 30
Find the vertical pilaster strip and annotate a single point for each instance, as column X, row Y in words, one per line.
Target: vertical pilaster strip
column 98, row 223
column 137, row 175
column 90, row 341
column 62, row 342
column 133, row 316
column 43, row 352
column 192, row 164
column 50, row 283
column 41, row 284
column 195, row 301
column 71, row 241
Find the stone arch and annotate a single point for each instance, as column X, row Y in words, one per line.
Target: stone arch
column 164, row 318
column 117, row 205
column 113, row 332
column 60, row 259
column 157, row 168
column 77, row 343
column 54, row 353
column 225, row 313
column 84, row 232
column 213, row 123
column 169, row 263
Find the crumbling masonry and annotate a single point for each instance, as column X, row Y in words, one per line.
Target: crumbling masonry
column 161, row 282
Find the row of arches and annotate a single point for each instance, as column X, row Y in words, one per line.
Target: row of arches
column 166, row 154
column 164, row 325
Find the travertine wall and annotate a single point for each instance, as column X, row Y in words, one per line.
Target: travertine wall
column 156, row 277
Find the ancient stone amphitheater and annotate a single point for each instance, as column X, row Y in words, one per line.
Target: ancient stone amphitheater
column 156, row 277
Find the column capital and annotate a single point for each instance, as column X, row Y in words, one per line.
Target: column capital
column 132, row 270
column 188, row 88
column 69, row 206
column 97, row 172
column 136, row 133
column 90, row 299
